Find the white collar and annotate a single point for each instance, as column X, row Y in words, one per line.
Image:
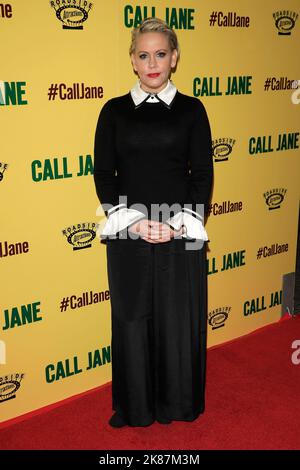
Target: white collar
column 166, row 95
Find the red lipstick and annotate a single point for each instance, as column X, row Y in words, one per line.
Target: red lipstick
column 153, row 75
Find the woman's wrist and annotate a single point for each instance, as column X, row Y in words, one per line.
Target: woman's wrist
column 181, row 230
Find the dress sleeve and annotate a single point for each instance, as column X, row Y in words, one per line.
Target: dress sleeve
column 200, row 178
column 118, row 215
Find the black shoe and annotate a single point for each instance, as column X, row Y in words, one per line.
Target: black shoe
column 116, row 421
column 164, row 420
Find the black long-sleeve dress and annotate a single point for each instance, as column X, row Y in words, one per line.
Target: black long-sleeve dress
column 156, row 154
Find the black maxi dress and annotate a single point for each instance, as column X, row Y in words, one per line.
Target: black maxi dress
column 155, row 154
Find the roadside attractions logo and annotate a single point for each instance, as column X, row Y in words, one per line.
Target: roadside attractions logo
column 222, row 148
column 72, row 13
column 9, row 385
column 274, row 197
column 81, row 235
column 285, row 21
column 217, row 317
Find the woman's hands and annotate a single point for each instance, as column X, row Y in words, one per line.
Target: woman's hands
column 154, row 232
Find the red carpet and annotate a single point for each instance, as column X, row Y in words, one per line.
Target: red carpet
column 252, row 403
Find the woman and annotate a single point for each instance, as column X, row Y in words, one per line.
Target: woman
column 153, row 173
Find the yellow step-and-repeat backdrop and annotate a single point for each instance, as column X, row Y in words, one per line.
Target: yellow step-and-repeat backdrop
column 61, row 60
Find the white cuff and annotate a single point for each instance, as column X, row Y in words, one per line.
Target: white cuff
column 193, row 225
column 117, row 221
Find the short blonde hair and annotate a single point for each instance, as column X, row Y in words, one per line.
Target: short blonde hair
column 154, row 25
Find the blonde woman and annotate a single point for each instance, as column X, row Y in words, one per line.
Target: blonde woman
column 153, row 173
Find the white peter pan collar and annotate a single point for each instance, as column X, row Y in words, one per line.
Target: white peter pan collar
column 166, row 95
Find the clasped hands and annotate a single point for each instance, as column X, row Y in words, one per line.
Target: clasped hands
column 153, row 231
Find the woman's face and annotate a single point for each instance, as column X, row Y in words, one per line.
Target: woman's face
column 153, row 60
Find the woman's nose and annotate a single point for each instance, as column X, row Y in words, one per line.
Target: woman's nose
column 152, row 62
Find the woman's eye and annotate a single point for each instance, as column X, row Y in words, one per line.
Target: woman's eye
column 159, row 54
